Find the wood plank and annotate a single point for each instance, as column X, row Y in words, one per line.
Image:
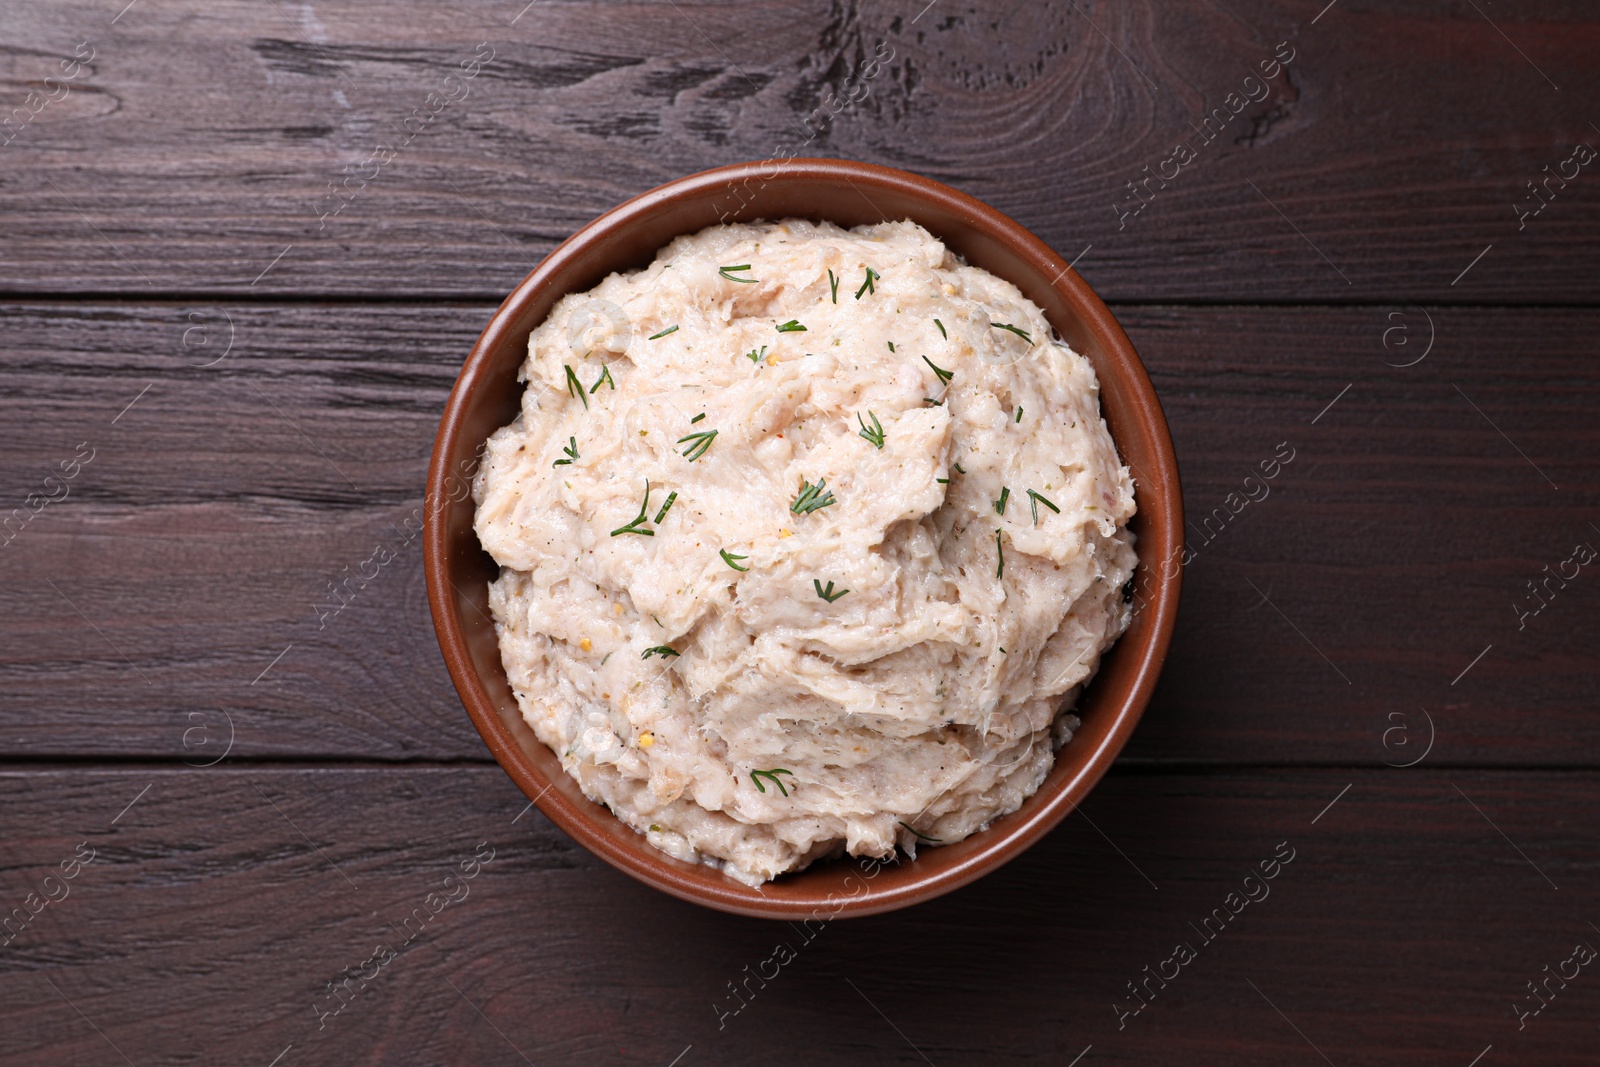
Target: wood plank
column 197, row 543
column 194, row 152
column 218, row 908
column 1393, row 550
column 211, row 522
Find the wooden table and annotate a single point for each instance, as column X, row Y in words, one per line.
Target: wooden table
column 246, row 248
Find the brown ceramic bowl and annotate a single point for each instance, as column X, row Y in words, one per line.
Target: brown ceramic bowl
column 487, row 394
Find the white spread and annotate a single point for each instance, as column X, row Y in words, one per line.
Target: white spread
column 827, row 612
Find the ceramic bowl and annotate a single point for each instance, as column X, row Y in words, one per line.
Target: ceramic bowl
column 487, row 394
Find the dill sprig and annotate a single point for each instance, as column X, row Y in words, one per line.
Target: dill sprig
column 575, row 387
column 726, row 272
column 1019, row 413
column 891, row 346
column 634, row 527
column 932, row 403
column 944, row 375
column 1014, row 329
column 771, row 776
column 1000, row 505
column 828, row 594
column 660, row 650
column 1000, row 551
column 874, row 435
column 728, row 558
column 920, row 835
column 833, row 285
column 571, row 449
column 671, row 499
column 792, row 326
column 812, row 497
column 697, row 418
column 866, row 286
column 670, row 329
column 753, row 356
column 1034, row 500
column 699, row 442
column 946, row 336
column 605, row 377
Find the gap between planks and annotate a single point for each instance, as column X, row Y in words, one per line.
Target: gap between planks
column 489, row 301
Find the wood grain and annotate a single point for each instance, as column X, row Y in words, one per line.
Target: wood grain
column 220, row 905
column 194, row 152
column 196, row 546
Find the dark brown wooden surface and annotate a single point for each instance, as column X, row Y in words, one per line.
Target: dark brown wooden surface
column 210, row 921
column 201, row 139
column 247, row 402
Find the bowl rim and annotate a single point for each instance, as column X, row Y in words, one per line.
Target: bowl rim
column 1160, row 501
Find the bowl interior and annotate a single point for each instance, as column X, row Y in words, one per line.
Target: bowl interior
column 486, row 396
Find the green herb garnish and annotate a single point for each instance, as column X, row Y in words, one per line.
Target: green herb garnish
column 959, row 468
column 634, row 527
column 920, row 835
column 725, row 272
column 571, row 449
column 891, row 346
column 812, row 497
column 828, row 594
column 753, row 357
column 697, row 418
column 946, row 336
column 1019, row 332
column 1035, row 499
column 575, row 387
column 874, row 435
column 771, row 776
column 833, row 285
column 1000, row 505
column 605, row 377
column 944, row 375
column 1000, row 551
column 663, row 333
column 671, row 498
column 792, row 326
column 866, row 286
column 728, row 558
column 660, row 650
column 699, row 442
column 932, row 403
